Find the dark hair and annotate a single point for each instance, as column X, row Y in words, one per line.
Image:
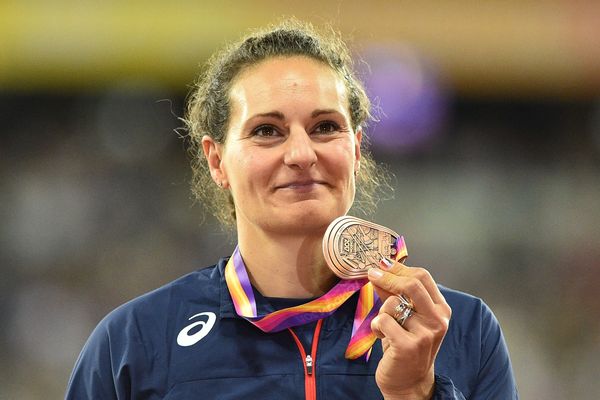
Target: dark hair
column 208, row 108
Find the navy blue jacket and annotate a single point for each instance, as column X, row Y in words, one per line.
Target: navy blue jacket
column 185, row 341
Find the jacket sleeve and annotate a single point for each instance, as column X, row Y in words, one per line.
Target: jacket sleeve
column 92, row 376
column 495, row 379
column 473, row 363
column 445, row 389
column 117, row 362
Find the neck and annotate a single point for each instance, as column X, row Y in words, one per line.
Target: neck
column 285, row 266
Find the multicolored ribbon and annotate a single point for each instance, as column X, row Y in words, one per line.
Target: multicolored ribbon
column 362, row 338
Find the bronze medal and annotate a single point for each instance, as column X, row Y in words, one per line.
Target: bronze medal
column 352, row 246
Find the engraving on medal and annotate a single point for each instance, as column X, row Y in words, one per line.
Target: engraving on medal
column 351, row 246
column 360, row 246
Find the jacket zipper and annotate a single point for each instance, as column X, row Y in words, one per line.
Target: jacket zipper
column 310, row 372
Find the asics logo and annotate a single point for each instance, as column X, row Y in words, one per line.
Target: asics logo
column 184, row 338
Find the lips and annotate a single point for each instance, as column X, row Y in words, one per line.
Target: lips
column 300, row 184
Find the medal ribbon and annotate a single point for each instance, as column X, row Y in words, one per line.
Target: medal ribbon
column 362, row 338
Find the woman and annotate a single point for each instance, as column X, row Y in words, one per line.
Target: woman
column 278, row 119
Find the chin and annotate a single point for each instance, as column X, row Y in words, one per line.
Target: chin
column 307, row 219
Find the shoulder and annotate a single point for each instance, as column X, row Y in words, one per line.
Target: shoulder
column 474, row 352
column 150, row 314
column 458, row 298
column 129, row 343
column 202, row 283
column 469, row 313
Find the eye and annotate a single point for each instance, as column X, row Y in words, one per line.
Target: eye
column 327, row 127
column 265, row 131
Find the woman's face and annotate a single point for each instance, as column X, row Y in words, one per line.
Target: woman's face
column 290, row 153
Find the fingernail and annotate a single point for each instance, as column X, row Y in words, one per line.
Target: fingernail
column 375, row 273
column 386, row 263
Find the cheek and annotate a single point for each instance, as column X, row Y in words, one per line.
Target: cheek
column 252, row 165
column 343, row 157
column 247, row 169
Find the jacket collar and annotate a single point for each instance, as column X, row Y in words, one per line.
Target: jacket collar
column 226, row 309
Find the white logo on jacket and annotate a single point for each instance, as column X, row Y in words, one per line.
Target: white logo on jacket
column 184, row 339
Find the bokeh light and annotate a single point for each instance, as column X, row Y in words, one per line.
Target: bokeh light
column 409, row 98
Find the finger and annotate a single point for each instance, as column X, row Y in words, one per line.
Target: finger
column 387, row 284
column 400, row 269
column 385, row 326
column 390, row 307
column 429, row 283
column 392, row 266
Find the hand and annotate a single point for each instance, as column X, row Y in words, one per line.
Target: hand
column 406, row 370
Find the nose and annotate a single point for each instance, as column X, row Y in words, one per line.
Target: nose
column 299, row 152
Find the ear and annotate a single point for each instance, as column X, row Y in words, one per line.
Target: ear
column 357, row 155
column 213, row 152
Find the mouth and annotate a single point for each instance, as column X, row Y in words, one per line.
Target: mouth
column 301, row 185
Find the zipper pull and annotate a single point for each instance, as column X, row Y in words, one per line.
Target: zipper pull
column 309, row 364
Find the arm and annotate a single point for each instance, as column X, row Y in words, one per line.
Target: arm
column 495, row 379
column 475, row 361
column 114, row 362
column 92, row 376
column 445, row 389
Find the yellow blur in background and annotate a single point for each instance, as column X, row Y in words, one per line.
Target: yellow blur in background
column 495, row 47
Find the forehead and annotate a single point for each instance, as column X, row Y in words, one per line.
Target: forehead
column 273, row 82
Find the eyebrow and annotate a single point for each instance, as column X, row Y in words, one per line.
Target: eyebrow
column 316, row 113
column 272, row 114
column 279, row 115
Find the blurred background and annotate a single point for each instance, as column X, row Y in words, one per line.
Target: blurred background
column 489, row 119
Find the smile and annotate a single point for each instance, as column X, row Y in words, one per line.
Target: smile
column 301, row 186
